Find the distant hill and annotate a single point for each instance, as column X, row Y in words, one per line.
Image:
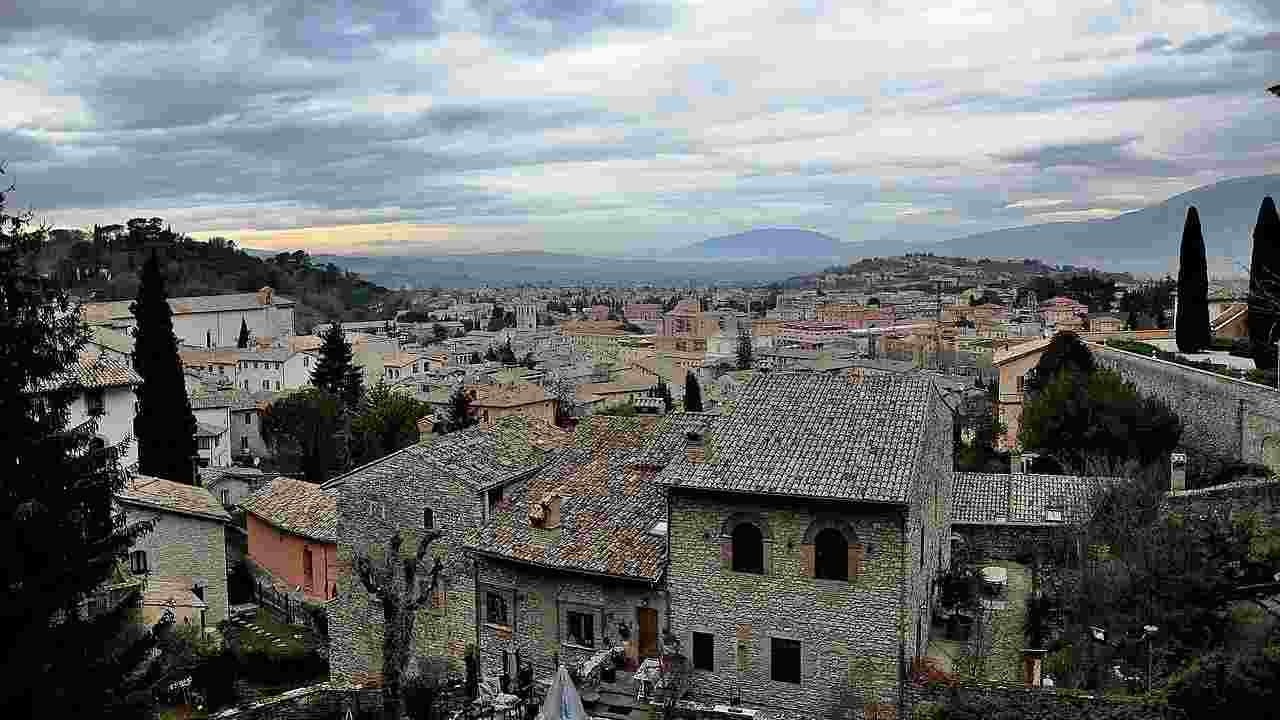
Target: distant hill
column 767, row 243
column 1144, row 238
column 105, row 265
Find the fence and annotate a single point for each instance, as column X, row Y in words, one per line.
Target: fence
column 285, row 608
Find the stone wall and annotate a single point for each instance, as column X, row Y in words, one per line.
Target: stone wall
column 539, row 602
column 188, row 549
column 316, row 702
column 1222, row 417
column 848, row 630
column 1003, row 542
column 356, row 623
column 1260, row 496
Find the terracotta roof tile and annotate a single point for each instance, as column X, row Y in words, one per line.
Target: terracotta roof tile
column 172, row 496
column 93, row 369
column 992, row 498
column 297, row 506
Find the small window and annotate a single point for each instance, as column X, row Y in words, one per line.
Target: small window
column 138, row 562
column 1020, row 381
column 582, row 629
column 226, row 496
column 495, row 606
column 704, row 651
column 428, row 518
column 248, row 418
column 277, row 384
column 306, row 361
column 244, row 442
column 1053, row 514
column 785, row 660
column 748, row 549
column 377, row 509
column 94, row 402
column 266, row 384
column 246, row 384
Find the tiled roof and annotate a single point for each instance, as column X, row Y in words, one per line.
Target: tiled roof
column 606, row 511
column 610, row 432
column 478, row 456
column 399, row 359
column 1020, row 350
column 119, row 309
column 171, row 592
column 989, row 498
column 211, row 477
column 207, row 356
column 301, row 343
column 93, row 369
column 111, row 340
column 297, row 506
column 816, row 436
column 509, row 395
column 668, row 438
column 268, row 354
column 173, row 496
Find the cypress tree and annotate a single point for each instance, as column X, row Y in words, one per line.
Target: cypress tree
column 62, row 535
column 242, row 342
column 1264, row 285
column 692, row 393
column 1192, row 324
column 164, row 425
column 334, row 371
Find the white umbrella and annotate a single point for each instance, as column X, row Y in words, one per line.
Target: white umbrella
column 562, row 701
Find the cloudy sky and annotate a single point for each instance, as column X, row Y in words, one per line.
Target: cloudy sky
column 625, row 126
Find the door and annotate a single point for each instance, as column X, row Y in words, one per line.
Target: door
column 647, row 621
column 306, row 568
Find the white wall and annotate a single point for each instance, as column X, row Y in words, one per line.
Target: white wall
column 116, row 423
column 224, row 327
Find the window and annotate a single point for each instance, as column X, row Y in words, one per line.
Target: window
column 495, row 608
column 377, row 509
column 748, row 549
column 830, row 555
column 1020, row 381
column 246, row 384
column 704, row 651
column 266, row 384
column 248, row 418
column 428, row 518
column 226, row 496
column 277, row 384
column 138, row 562
column 307, row 568
column 206, row 443
column 785, row 660
column 306, row 361
column 582, row 629
column 244, row 442
column 1053, row 514
column 94, row 403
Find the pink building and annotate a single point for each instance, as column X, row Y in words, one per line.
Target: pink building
column 598, row 312
column 1062, row 310
column 641, row 311
column 681, row 319
column 293, row 533
column 810, row 333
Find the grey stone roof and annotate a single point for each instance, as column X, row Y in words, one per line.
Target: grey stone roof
column 816, row 436
column 606, row 512
column 297, row 506
column 668, row 438
column 997, row 499
column 158, row 493
column 119, row 309
column 478, row 456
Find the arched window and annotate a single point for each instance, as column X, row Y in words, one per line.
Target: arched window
column 831, row 555
column 748, row 549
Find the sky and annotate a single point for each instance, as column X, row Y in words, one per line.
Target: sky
column 624, row 126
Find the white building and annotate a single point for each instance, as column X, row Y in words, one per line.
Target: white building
column 274, row 369
column 108, row 383
column 208, row 320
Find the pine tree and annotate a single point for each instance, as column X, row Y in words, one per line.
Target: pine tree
column 460, row 410
column 1193, row 333
column 1264, row 285
column 334, row 371
column 242, row 342
column 662, row 391
column 62, row 535
column 692, row 393
column 164, row 425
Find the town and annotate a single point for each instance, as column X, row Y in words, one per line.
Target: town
column 858, row 491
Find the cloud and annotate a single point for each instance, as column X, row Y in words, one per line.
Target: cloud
column 612, row 124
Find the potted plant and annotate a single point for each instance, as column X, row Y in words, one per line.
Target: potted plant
column 958, row 590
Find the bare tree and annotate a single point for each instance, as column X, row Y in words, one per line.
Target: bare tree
column 399, row 584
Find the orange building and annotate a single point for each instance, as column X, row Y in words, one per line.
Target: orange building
column 293, row 533
column 493, row 402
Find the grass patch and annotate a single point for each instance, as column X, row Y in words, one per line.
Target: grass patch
column 264, row 642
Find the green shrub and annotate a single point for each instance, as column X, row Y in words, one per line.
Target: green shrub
column 928, row 710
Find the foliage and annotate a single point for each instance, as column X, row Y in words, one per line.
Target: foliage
column 529, row 361
column 662, row 391
column 1145, row 306
column 1066, row 351
column 306, row 430
column 506, row 355
column 105, row 266
column 692, row 393
column 438, row 332
column 1264, row 285
column 1148, row 350
column 1091, row 289
column 980, row 454
column 625, row 408
column 335, row 373
column 745, row 352
column 164, row 425
column 386, row 421
column 1192, row 322
column 1034, row 705
column 402, row 586
column 1079, row 418
column 460, row 415
column 1223, row 684
column 244, row 338
column 62, row 536
column 475, row 358
column 1040, row 612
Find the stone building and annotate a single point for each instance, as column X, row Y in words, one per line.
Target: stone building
column 1003, row 515
column 571, row 562
column 805, row 530
column 211, row 321
column 449, row 484
column 184, row 557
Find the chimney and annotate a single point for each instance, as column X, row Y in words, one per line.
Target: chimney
column 695, row 447
column 1177, row 472
column 426, row 427
column 854, row 376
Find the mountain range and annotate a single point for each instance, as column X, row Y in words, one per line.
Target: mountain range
column 1144, row 240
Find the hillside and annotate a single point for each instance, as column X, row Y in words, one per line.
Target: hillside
column 767, row 243
column 105, row 264
column 1142, row 239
